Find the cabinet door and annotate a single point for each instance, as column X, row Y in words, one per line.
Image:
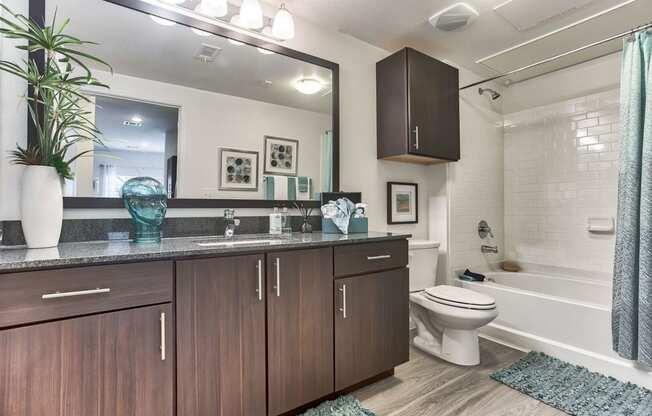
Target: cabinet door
column 371, row 325
column 221, row 336
column 102, row 365
column 299, row 327
column 434, row 107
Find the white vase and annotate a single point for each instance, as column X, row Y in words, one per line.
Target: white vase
column 41, row 206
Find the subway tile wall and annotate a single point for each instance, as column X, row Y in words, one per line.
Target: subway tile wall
column 561, row 168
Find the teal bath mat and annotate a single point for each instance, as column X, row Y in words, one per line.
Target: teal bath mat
column 573, row 389
column 342, row 406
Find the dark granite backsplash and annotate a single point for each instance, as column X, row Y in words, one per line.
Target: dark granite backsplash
column 122, row 228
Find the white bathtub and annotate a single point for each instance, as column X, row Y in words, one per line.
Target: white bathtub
column 566, row 317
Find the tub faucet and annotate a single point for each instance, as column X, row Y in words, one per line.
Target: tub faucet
column 489, row 249
column 231, row 222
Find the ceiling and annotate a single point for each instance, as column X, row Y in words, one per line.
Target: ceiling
column 135, row 45
column 110, row 113
column 392, row 24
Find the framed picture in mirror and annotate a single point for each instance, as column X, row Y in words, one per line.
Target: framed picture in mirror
column 238, row 170
column 281, row 156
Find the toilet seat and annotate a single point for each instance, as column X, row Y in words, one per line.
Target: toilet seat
column 458, row 297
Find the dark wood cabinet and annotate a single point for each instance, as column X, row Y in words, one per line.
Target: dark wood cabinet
column 418, row 118
column 110, row 364
column 299, row 328
column 371, row 325
column 221, row 336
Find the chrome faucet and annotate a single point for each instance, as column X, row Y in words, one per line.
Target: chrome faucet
column 231, row 222
column 489, row 249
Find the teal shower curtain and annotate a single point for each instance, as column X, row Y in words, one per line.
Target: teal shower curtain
column 632, row 289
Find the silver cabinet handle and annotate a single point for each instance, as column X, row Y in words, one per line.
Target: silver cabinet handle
column 416, row 137
column 259, row 291
column 343, row 308
column 277, row 287
column 162, row 336
column 381, row 257
column 56, row 295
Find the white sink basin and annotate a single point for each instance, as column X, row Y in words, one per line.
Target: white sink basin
column 232, row 243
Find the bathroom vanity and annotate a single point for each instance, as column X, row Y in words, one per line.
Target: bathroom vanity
column 176, row 328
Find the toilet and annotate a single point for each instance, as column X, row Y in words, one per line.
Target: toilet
column 447, row 318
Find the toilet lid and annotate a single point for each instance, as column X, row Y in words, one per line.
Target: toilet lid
column 460, row 297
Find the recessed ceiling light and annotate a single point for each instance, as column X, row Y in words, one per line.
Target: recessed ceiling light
column 161, row 21
column 455, row 17
column 137, row 119
column 200, row 32
column 265, row 51
column 308, row 86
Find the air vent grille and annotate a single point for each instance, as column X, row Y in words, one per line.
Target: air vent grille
column 208, row 53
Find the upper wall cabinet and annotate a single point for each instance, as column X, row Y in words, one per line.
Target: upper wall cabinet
column 418, row 109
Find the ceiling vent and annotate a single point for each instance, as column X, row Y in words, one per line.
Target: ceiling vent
column 454, row 18
column 208, row 53
column 528, row 14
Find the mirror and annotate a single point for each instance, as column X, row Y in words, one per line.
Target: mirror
column 208, row 116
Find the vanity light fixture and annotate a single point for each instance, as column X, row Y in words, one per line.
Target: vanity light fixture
column 162, row 21
column 309, row 86
column 213, row 8
column 251, row 14
column 236, row 20
column 283, row 27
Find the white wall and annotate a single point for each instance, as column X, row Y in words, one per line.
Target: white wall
column 208, row 120
column 561, row 166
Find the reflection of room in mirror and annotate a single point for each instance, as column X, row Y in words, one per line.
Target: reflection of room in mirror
column 138, row 139
column 225, row 96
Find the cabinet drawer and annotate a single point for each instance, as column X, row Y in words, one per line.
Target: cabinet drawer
column 370, row 257
column 45, row 295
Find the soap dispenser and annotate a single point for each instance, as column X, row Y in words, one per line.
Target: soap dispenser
column 275, row 222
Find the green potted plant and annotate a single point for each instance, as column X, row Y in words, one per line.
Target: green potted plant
column 58, row 111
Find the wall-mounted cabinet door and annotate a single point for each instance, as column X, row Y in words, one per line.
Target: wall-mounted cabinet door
column 434, row 107
column 371, row 325
column 221, row 336
column 110, row 364
column 299, row 327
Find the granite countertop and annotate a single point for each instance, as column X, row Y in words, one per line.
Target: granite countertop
column 102, row 252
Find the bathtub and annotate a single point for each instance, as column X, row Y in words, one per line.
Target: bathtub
column 566, row 317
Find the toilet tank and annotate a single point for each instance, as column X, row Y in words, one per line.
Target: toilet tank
column 423, row 258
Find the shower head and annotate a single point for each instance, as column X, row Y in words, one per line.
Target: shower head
column 494, row 95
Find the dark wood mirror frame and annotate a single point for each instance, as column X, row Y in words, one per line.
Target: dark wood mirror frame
column 37, row 13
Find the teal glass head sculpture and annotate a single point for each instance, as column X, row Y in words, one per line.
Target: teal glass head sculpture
column 146, row 200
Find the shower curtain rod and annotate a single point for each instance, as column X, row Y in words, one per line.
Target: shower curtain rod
column 561, row 55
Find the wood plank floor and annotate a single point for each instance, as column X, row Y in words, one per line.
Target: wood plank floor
column 431, row 387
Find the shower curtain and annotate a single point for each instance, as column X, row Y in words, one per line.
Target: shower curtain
column 632, row 289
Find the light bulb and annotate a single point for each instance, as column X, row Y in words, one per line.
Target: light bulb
column 309, row 86
column 213, row 8
column 161, row 21
column 283, row 24
column 200, row 32
column 251, row 15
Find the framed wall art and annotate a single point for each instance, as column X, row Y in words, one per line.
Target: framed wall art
column 402, row 203
column 238, row 170
column 281, row 156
